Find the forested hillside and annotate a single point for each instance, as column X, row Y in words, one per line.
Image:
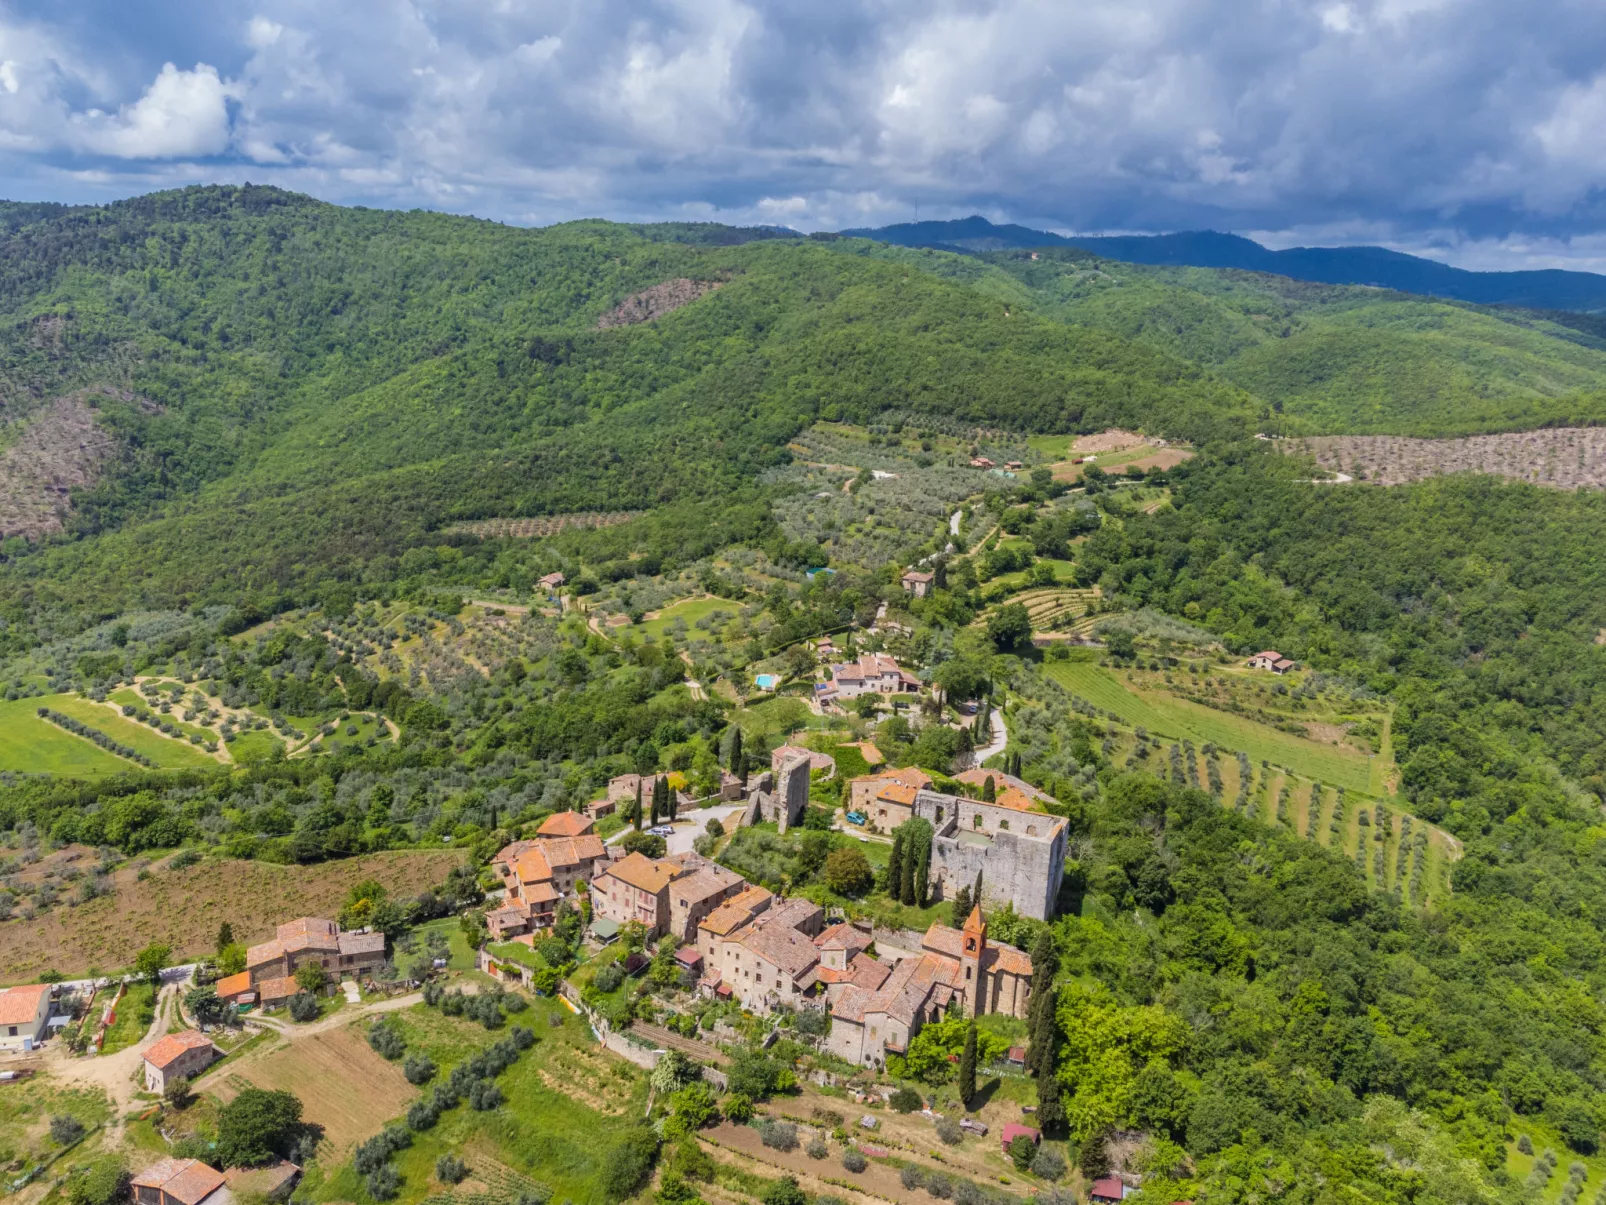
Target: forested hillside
column 1347, row 949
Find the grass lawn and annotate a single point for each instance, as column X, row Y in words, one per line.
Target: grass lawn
column 27, row 1107
column 1166, row 716
column 775, row 718
column 167, row 752
column 253, row 746
column 134, row 1015
column 34, row 746
column 689, row 610
column 460, row 956
column 1544, row 1138
column 567, row 1104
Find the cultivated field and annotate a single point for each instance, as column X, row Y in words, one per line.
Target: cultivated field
column 31, row 745
column 344, row 1086
column 1165, row 715
column 185, row 907
column 1564, row 457
column 166, row 751
column 545, row 525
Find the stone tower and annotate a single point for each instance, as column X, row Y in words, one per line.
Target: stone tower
column 972, row 949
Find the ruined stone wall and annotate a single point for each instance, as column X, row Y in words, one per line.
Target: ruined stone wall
column 1018, row 866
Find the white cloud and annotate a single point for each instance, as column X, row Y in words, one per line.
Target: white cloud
column 182, row 114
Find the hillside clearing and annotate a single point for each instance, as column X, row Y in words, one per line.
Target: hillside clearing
column 184, row 908
column 30, row 745
column 1562, row 458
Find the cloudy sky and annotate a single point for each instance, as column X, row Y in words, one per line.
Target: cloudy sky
column 1472, row 129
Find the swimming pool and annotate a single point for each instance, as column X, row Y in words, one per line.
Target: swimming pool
column 767, row 681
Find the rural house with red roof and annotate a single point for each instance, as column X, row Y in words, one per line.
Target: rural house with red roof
column 177, row 1056
column 180, row 1182
column 24, row 1013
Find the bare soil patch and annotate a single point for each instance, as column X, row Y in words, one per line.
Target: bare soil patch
column 1112, row 440
column 184, row 908
column 60, row 449
column 655, row 302
column 344, row 1086
column 1562, row 457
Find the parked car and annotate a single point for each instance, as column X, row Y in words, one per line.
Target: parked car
column 660, row 830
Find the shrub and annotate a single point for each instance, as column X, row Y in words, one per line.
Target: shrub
column 422, row 1114
column 781, row 1135
column 609, row 978
column 304, row 1007
column 419, row 1069
column 1525, row 1144
column 816, row 1148
column 449, row 1169
column 387, row 1043
column 1022, row 1151
column 853, row 1159
column 939, row 1186
column 66, row 1130
column 950, row 1132
column 738, row 1108
column 538, row 1194
column 1048, row 1163
column 383, row 1183
column 628, row 1163
column 906, row 1100
column 784, row 1191
column 911, row 1176
column 484, row 1096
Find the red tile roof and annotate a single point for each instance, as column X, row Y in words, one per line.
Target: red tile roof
column 564, row 824
column 20, row 1005
column 233, row 985
column 165, row 1052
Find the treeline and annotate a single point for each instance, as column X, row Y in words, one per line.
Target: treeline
column 79, row 728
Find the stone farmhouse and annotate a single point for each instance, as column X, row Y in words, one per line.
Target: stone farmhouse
column 886, row 800
column 309, row 939
column 1018, row 852
column 540, row 872
column 918, row 583
column 180, row 1182
column 635, row 888
column 873, row 673
column 875, row 1011
column 694, row 897
column 24, row 1015
column 761, row 950
column 1270, row 659
column 177, row 1056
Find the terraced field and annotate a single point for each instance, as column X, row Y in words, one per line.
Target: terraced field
column 1060, row 609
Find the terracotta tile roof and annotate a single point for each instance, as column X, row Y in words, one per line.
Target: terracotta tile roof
column 843, row 936
column 160, row 1172
column 532, row 865
column 1017, row 801
column 572, row 851
column 233, row 985
column 737, row 911
column 1007, row 959
column 643, row 873
column 564, row 824
column 897, row 792
column 194, row 1184
column 948, row 943
column 276, row 989
column 862, row 972
column 703, row 883
column 20, row 1005
column 175, row 1044
column 540, row 893
column 779, row 944
column 268, row 951
column 852, row 1004
column 362, row 943
column 977, row 777
column 307, row 933
column 510, row 852
column 912, row 776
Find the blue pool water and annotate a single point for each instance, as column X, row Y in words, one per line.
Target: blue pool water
column 766, row 681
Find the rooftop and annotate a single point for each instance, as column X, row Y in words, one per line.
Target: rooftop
column 20, row 1005
column 174, row 1045
column 644, row 873
column 565, row 824
column 186, row 1180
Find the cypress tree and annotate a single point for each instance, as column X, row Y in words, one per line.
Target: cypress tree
column 922, row 868
column 989, row 790
column 975, row 892
column 894, row 883
column 961, row 910
column 906, row 882
column 737, row 753
column 967, row 1066
column 665, row 797
column 1050, row 1108
column 636, row 811
column 225, row 936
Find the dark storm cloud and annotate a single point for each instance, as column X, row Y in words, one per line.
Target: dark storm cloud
column 1472, row 125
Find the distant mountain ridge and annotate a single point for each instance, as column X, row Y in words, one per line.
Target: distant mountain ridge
column 1551, row 289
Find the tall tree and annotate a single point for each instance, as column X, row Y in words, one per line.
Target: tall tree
column 961, row 909
column 225, row 936
column 967, row 1066
column 989, row 790
column 906, row 881
column 894, row 880
column 636, row 811
column 737, row 753
column 668, row 807
column 922, row 872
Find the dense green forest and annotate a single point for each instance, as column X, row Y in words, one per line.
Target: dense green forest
column 302, row 399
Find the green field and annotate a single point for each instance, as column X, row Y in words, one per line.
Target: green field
column 134, row 1015
column 568, row 1103
column 253, row 746
column 690, row 610
column 1179, row 718
column 166, row 751
column 143, row 706
column 34, row 746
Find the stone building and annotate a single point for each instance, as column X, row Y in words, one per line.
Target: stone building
column 177, row 1056
column 695, row 896
column 636, row 888
column 343, row 953
column 870, row 1020
column 784, row 805
column 1018, row 852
